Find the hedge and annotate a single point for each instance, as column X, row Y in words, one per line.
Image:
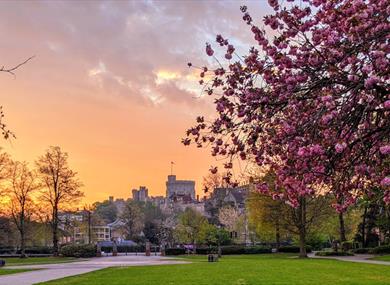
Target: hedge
column 293, row 248
column 363, row 250
column 125, row 248
column 206, row 250
column 38, row 250
column 235, row 249
column 380, row 249
column 333, row 253
column 175, row 251
column 7, row 250
column 257, row 250
column 76, row 250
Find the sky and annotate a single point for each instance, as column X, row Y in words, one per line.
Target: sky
column 110, row 85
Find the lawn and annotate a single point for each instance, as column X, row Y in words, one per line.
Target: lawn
column 36, row 260
column 382, row 258
column 239, row 270
column 5, row 271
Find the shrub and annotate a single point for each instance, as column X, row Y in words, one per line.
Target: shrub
column 7, row 250
column 333, row 253
column 232, row 249
column 124, row 248
column 347, row 245
column 317, row 241
column 362, row 250
column 206, row 250
column 380, row 249
column 293, row 248
column 257, row 250
column 38, row 250
column 240, row 249
column 175, row 251
column 78, row 250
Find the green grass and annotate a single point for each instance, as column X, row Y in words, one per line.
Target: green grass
column 36, row 260
column 5, row 271
column 382, row 258
column 276, row 269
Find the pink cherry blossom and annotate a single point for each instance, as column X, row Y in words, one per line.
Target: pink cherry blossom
column 306, row 100
column 209, row 50
column 339, row 147
column 385, row 182
column 385, row 149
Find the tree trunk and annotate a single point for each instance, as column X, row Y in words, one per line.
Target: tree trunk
column 342, row 228
column 364, row 241
column 22, row 237
column 55, row 231
column 302, row 228
column 277, row 236
column 22, row 245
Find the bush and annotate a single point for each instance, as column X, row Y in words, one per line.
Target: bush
column 384, row 249
column 257, row 250
column 125, row 248
column 362, row 250
column 347, row 245
column 317, row 241
column 240, row 249
column 333, row 253
column 175, row 251
column 293, row 248
column 206, row 250
column 76, row 250
column 38, row 250
column 7, row 250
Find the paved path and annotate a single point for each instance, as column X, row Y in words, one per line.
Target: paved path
column 360, row 258
column 60, row 270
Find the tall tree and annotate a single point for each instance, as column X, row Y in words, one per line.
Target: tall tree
column 189, row 227
column 228, row 216
column 106, row 210
column 23, row 185
column 60, row 185
column 310, row 100
column 267, row 217
column 132, row 218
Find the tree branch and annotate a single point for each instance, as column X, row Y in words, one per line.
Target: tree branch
column 12, row 69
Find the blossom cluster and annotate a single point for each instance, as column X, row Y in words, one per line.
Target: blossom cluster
column 311, row 99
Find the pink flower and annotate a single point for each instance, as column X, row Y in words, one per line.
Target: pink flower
column 326, row 119
column 340, row 147
column 370, row 82
column 353, row 78
column 385, row 149
column 326, row 98
column 385, row 182
column 228, row 56
column 209, row 50
column 387, row 104
column 302, row 151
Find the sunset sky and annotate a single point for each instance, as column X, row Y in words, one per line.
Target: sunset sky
column 110, row 84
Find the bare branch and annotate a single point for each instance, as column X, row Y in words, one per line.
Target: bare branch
column 12, row 69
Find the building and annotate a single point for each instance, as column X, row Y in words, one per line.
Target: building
column 98, row 234
column 180, row 189
column 140, row 194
